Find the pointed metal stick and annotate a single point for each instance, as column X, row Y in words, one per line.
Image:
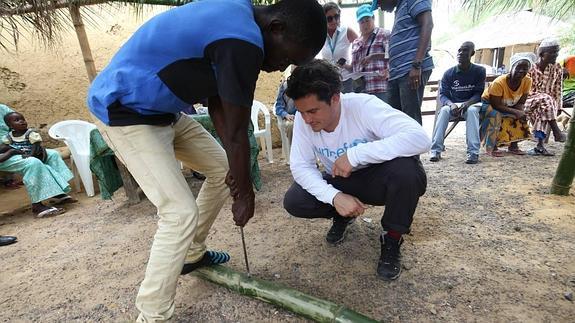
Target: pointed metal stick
column 245, row 252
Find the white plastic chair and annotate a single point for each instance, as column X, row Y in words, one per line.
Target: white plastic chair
column 286, row 143
column 265, row 134
column 76, row 135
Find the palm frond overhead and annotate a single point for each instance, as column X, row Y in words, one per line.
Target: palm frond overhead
column 44, row 19
column 558, row 9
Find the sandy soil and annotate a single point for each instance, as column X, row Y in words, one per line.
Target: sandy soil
column 488, row 242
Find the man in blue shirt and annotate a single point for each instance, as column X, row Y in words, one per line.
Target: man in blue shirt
column 214, row 50
column 410, row 64
column 285, row 113
column 460, row 95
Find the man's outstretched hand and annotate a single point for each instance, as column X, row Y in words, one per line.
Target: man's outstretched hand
column 243, row 205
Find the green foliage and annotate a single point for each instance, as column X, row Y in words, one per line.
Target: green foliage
column 42, row 18
column 567, row 39
column 554, row 8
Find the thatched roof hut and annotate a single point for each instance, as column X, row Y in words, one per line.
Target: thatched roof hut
column 501, row 36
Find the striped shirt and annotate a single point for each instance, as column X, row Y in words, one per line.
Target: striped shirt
column 373, row 84
column 405, row 38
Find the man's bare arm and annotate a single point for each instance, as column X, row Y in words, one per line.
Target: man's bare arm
column 231, row 123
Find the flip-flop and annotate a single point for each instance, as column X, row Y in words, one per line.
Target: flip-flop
column 63, row 200
column 539, row 152
column 495, row 153
column 13, row 185
column 51, row 211
column 544, row 152
column 516, row 151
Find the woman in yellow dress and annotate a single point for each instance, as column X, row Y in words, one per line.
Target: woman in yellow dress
column 504, row 120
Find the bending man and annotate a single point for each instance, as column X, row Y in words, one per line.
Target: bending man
column 170, row 63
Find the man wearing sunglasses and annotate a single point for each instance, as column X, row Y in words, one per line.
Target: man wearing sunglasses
column 410, row 64
column 210, row 50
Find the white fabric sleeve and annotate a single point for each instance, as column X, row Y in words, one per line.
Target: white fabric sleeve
column 303, row 166
column 34, row 137
column 402, row 136
column 6, row 139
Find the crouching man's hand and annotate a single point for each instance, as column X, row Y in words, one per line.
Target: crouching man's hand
column 341, row 167
column 348, row 206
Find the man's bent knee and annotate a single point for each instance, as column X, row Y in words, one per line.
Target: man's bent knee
column 291, row 202
column 445, row 109
column 408, row 174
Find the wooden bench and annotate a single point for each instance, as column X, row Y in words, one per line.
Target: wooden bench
column 432, row 88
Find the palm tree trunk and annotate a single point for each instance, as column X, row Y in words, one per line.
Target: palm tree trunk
column 566, row 169
column 83, row 40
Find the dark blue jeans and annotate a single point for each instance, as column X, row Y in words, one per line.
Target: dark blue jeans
column 402, row 97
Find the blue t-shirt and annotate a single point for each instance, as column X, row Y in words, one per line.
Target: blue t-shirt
column 405, row 38
column 180, row 57
column 460, row 86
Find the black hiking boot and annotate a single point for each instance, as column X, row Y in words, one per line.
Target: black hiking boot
column 389, row 266
column 336, row 233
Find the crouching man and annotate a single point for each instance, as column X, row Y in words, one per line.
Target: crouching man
column 369, row 153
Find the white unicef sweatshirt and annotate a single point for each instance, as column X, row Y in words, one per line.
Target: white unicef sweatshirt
column 369, row 131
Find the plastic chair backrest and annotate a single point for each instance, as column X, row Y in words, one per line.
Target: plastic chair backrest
column 258, row 107
column 75, row 133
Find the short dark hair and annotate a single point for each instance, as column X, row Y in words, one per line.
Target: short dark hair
column 330, row 6
column 7, row 115
column 470, row 44
column 305, row 22
column 316, row 77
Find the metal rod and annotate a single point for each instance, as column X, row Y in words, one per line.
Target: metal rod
column 245, row 252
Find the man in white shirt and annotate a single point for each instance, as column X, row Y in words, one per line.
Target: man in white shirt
column 369, row 152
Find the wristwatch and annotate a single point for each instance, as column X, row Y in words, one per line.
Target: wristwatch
column 416, row 64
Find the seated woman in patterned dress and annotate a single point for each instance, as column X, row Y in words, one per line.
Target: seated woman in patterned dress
column 545, row 99
column 504, row 119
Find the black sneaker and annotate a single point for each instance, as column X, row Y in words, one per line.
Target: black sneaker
column 336, row 233
column 389, row 266
column 435, row 156
column 472, row 159
column 209, row 258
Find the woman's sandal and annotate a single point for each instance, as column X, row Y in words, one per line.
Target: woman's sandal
column 63, row 200
column 13, row 185
column 536, row 151
column 516, row 151
column 51, row 211
column 495, row 153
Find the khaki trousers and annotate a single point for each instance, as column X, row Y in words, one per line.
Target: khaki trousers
column 152, row 155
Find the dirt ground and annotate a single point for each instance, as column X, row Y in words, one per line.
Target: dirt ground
column 488, row 243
